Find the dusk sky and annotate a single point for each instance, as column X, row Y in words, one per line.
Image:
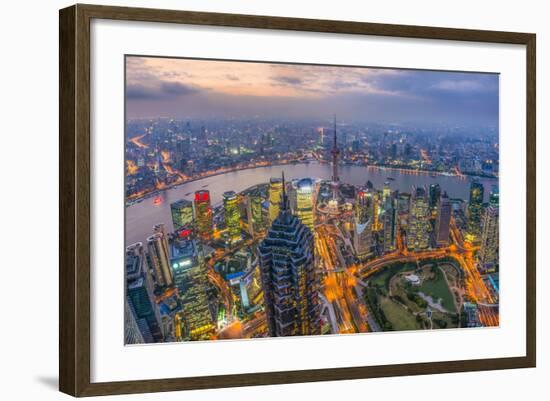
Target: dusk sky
column 182, row 88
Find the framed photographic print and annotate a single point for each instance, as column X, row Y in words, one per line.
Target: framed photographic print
column 250, row 200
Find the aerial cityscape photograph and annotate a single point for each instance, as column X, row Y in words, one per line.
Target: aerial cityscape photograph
column 271, row 199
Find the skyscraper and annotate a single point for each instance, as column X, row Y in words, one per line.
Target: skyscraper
column 386, row 192
column 254, row 212
column 377, row 211
column 203, row 212
column 362, row 239
column 182, row 214
column 275, row 191
column 232, row 216
column 403, row 203
column 158, row 251
column 475, row 211
column 335, row 152
column 435, row 194
column 489, row 250
column 288, row 276
column 139, row 295
column 304, row 202
column 362, row 224
column 443, row 221
column 389, row 223
column 292, row 193
column 364, row 205
column 132, row 333
column 418, row 234
column 191, row 280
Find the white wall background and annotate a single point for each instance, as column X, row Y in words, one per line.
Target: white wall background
column 28, row 201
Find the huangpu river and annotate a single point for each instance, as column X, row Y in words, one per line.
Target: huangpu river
column 140, row 217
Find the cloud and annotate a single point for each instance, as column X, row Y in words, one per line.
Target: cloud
column 436, row 83
column 159, row 90
column 137, row 91
column 174, row 74
column 460, row 86
column 204, row 87
column 177, row 88
column 287, row 80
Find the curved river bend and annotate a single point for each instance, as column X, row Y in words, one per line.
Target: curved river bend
column 141, row 217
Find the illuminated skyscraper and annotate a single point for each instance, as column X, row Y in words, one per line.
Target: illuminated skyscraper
column 376, row 224
column 362, row 239
column 132, row 333
column 364, row 205
column 443, row 221
column 435, row 194
column 191, row 280
column 292, row 193
column 141, row 300
column 288, row 276
column 304, row 202
column 386, row 192
column 389, row 223
column 157, row 247
column 335, row 152
column 362, row 228
column 232, row 216
column 182, row 214
column 403, row 203
column 475, row 211
column 418, row 235
column 203, row 213
column 275, row 191
column 489, row 250
column 256, row 212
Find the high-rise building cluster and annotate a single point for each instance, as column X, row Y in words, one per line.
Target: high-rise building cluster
column 257, row 254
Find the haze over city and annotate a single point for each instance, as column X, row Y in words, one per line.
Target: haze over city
column 190, row 88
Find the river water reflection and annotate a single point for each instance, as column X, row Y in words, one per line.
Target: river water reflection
column 141, row 217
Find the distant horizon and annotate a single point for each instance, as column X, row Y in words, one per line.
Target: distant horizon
column 215, row 89
column 325, row 120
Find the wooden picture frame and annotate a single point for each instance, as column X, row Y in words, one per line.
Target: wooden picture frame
column 74, row 199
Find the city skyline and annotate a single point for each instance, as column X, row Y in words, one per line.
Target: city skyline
column 255, row 227
column 194, row 88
